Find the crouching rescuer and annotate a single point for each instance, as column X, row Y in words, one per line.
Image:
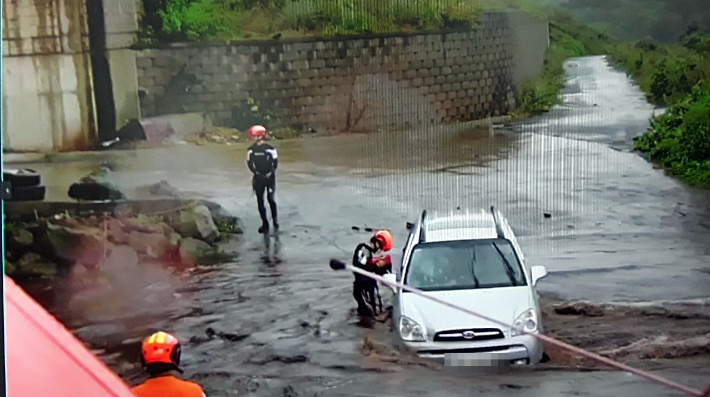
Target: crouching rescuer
column 263, row 161
column 160, row 356
column 370, row 257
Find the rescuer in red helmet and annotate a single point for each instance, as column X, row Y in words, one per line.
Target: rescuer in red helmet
column 160, row 355
column 263, row 160
column 368, row 256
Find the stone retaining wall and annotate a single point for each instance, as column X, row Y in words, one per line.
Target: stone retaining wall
column 355, row 83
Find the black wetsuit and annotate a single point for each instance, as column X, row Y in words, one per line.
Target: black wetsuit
column 263, row 161
column 365, row 288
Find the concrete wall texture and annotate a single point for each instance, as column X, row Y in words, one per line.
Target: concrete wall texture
column 46, row 75
column 360, row 83
column 48, row 96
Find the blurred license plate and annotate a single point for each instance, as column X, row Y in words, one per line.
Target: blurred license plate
column 478, row 360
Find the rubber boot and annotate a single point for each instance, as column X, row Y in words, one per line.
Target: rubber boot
column 264, row 228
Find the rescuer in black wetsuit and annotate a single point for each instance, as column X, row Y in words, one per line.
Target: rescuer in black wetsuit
column 365, row 290
column 263, row 161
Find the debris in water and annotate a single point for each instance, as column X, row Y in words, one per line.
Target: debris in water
column 290, row 392
column 548, row 215
column 296, row 359
column 211, row 333
column 511, row 386
column 578, row 309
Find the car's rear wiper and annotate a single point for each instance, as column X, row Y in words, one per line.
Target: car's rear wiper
column 473, row 272
column 508, row 268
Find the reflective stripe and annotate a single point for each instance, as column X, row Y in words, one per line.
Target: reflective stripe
column 273, row 153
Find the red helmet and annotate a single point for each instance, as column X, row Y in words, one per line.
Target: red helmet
column 385, row 239
column 256, row 132
column 161, row 347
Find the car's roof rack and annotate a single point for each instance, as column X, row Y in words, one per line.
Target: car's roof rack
column 496, row 219
column 422, row 229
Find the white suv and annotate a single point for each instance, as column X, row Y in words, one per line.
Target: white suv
column 471, row 260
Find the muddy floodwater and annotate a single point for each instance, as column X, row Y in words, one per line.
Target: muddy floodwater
column 277, row 322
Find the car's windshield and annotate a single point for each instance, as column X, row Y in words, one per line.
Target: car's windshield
column 457, row 265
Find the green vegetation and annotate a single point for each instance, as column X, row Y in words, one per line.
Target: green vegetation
column 680, row 138
column 676, row 76
column 631, row 20
column 180, row 20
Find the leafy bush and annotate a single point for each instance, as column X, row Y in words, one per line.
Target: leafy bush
column 680, row 138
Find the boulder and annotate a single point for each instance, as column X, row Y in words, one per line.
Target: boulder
column 155, row 245
column 22, row 236
column 191, row 250
column 34, row 265
column 115, row 231
column 10, row 268
column 78, row 244
column 160, row 189
column 197, row 222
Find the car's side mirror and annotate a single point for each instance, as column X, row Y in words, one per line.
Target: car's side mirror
column 538, row 272
column 391, row 278
column 410, row 225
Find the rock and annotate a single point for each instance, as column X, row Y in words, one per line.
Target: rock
column 34, row 265
column 96, row 187
column 115, row 231
column 191, row 250
column 22, row 237
column 9, row 268
column 155, row 245
column 160, row 189
column 80, row 245
column 197, row 222
column 145, row 224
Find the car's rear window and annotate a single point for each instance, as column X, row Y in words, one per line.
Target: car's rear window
column 455, row 265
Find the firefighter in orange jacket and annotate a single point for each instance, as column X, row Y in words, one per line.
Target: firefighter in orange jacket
column 160, row 355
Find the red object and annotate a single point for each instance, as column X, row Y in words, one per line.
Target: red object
column 161, row 347
column 256, row 131
column 45, row 359
column 385, row 238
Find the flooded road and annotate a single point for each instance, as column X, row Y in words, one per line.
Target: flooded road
column 618, row 230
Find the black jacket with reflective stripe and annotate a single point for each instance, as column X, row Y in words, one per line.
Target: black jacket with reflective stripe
column 262, row 159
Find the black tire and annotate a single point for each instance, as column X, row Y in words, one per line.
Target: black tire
column 22, row 177
column 28, row 193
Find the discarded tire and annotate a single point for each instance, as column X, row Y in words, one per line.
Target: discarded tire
column 28, row 193
column 22, row 177
column 93, row 192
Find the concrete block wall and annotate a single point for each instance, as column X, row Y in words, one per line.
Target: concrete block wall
column 356, row 83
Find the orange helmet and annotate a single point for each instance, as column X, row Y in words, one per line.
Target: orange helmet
column 162, row 348
column 385, row 239
column 256, row 132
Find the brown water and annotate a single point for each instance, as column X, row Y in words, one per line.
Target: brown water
column 619, row 231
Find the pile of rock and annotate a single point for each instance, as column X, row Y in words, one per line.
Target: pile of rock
column 186, row 236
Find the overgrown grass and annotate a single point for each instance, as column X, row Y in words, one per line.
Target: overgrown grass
column 182, row 20
column 675, row 76
column 680, row 139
